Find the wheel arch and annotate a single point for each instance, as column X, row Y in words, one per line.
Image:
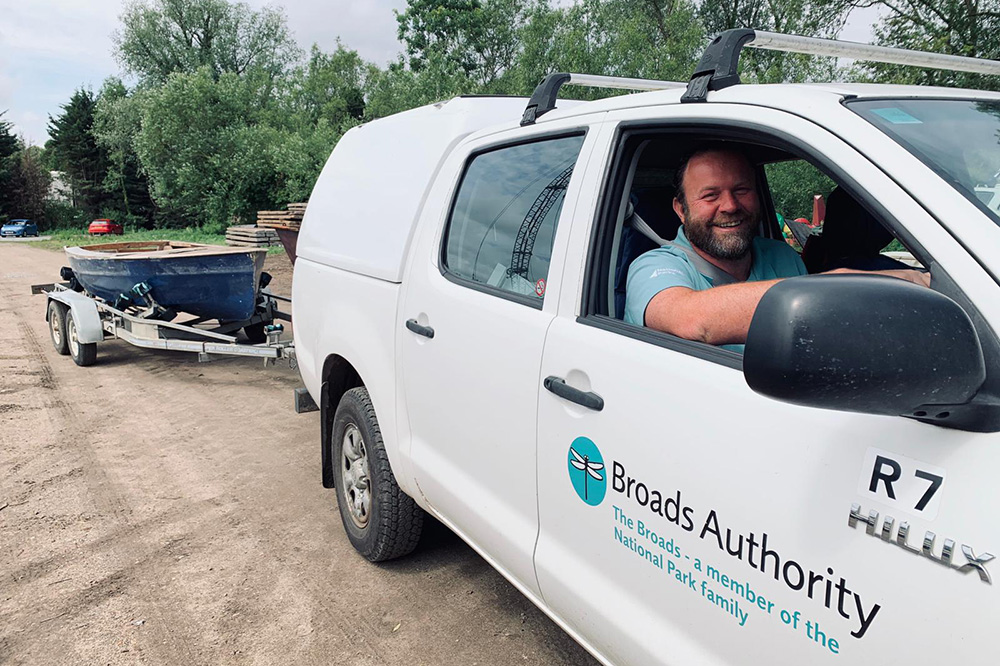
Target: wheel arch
column 338, row 377
column 84, row 313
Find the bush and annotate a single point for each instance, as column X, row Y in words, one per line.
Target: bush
column 59, row 215
column 217, row 228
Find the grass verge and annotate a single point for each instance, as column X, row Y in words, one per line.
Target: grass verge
column 71, row 237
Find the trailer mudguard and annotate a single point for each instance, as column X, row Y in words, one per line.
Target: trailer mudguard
column 84, row 312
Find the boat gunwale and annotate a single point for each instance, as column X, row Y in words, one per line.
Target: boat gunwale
column 155, row 250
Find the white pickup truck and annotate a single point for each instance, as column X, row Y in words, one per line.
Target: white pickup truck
column 823, row 497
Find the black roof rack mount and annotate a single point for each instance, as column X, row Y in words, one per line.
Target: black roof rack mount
column 719, row 64
column 544, row 98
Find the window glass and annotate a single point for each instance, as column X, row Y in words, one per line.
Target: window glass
column 504, row 219
column 795, row 186
column 958, row 138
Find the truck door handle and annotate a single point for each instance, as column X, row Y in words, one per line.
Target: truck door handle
column 588, row 399
column 425, row 331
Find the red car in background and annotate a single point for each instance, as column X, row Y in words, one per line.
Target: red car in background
column 104, row 228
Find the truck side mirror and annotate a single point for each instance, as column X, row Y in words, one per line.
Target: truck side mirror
column 864, row 343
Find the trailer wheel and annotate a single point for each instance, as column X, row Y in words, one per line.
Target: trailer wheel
column 83, row 353
column 255, row 332
column 381, row 521
column 57, row 327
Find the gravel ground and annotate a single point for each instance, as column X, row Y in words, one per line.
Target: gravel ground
column 158, row 510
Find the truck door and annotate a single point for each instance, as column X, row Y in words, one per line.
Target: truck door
column 476, row 307
column 686, row 519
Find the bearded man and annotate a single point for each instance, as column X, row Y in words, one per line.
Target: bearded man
column 672, row 288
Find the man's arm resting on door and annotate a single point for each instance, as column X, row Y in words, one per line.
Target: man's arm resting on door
column 722, row 315
column 716, row 316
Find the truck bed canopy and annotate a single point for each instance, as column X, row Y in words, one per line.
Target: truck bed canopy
column 369, row 195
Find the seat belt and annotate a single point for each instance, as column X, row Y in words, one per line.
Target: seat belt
column 718, row 276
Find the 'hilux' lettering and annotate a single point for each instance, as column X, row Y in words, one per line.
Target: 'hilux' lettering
column 926, row 549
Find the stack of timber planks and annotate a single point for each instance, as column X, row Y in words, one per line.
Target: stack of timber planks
column 247, row 235
column 282, row 219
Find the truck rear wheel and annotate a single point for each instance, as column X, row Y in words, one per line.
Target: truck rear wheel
column 381, row 521
column 57, row 327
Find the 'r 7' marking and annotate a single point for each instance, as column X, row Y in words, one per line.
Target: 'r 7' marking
column 936, row 482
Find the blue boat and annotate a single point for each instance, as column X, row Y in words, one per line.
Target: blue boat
column 209, row 281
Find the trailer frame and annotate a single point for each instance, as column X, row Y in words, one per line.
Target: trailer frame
column 94, row 320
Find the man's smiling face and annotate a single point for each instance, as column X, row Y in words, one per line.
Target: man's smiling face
column 719, row 207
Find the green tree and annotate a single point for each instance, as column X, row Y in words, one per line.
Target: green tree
column 968, row 28
column 8, row 147
column 398, row 87
column 75, row 151
column 8, row 140
column 794, row 184
column 328, row 86
column 117, row 122
column 28, row 184
column 298, row 157
column 476, row 38
column 319, row 101
column 811, row 18
column 206, row 153
column 633, row 38
column 160, row 37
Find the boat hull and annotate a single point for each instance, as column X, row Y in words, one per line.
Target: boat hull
column 289, row 240
column 220, row 286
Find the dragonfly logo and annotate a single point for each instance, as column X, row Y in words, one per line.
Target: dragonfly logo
column 586, row 471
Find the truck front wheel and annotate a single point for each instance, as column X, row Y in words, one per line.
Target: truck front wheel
column 381, row 521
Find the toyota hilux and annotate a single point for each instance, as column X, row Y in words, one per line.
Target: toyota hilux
column 825, row 496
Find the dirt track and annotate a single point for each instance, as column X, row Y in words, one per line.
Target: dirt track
column 158, row 510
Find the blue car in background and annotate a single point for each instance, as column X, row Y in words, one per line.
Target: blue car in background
column 19, row 228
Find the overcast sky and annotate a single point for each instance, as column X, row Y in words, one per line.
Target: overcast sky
column 49, row 48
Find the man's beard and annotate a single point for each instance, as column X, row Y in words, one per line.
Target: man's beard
column 726, row 246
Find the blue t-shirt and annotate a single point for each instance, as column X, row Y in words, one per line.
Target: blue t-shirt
column 667, row 267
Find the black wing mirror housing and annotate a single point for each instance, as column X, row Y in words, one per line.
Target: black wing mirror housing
column 870, row 344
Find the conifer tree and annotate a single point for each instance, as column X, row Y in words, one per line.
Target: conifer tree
column 76, row 153
column 8, row 147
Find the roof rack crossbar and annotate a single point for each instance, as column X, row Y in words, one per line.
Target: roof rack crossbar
column 718, row 66
column 544, row 98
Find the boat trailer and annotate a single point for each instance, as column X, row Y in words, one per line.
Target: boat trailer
column 78, row 321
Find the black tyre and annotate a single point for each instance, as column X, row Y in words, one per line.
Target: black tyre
column 382, row 522
column 57, row 327
column 255, row 333
column 83, row 353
